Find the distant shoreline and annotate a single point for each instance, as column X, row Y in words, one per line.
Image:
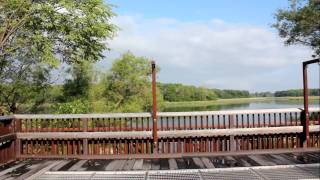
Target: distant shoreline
column 235, row 101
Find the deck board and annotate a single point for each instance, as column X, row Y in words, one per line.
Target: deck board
column 138, row 164
column 78, row 166
column 60, row 165
column 261, row 160
column 206, row 161
column 197, row 161
column 129, row 164
column 28, row 168
column 173, row 164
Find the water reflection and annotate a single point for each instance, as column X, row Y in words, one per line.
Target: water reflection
column 274, row 104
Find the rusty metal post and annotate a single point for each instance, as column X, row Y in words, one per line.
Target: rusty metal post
column 154, row 112
column 305, row 113
column 305, row 117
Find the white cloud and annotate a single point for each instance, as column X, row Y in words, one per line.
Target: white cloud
column 213, row 53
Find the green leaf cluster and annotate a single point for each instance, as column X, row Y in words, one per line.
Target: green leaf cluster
column 128, row 85
column 300, row 24
column 37, row 35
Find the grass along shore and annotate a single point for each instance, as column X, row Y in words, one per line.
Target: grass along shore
column 235, row 101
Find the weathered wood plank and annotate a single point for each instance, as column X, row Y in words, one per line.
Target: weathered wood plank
column 167, row 134
column 78, row 166
column 146, row 164
column 11, row 169
column 173, row 164
column 262, row 161
column 120, row 165
column 5, row 118
column 242, row 161
column 115, row 165
column 128, row 165
column 155, row 164
column 7, row 137
column 60, row 165
column 111, row 165
column 46, row 168
column 138, row 164
column 83, row 135
column 206, row 161
column 198, row 162
column 230, row 161
column 79, row 116
column 33, row 169
column 281, row 160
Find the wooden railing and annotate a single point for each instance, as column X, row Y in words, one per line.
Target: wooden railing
column 126, row 135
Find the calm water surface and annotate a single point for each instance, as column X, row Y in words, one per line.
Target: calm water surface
column 250, row 105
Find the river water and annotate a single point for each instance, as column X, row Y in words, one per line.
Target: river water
column 272, row 104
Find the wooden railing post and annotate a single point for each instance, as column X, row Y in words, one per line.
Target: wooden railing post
column 154, row 113
column 85, row 140
column 17, row 142
column 233, row 144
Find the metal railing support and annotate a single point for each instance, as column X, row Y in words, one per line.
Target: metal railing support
column 154, row 112
column 305, row 118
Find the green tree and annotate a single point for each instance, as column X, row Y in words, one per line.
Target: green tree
column 76, row 89
column 63, row 30
column 78, row 86
column 45, row 33
column 77, row 106
column 300, row 24
column 128, row 87
column 25, row 82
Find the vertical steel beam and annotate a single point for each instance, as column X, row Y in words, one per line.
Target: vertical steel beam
column 305, row 115
column 306, row 118
column 154, row 112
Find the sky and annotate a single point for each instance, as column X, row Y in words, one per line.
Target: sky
column 225, row 44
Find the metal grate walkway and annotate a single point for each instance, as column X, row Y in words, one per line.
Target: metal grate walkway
column 290, row 172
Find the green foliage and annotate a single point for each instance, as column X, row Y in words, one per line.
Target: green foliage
column 128, row 87
column 263, row 94
column 74, row 107
column 25, row 81
column 35, row 36
column 54, row 31
column 80, row 83
column 227, row 93
column 179, row 92
column 300, row 24
column 296, row 93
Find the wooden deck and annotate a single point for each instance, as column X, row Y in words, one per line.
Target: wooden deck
column 36, row 168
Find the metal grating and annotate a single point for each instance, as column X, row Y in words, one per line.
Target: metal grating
column 61, row 176
column 287, row 173
column 307, row 171
column 119, row 176
column 168, row 175
column 315, row 170
column 235, row 174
